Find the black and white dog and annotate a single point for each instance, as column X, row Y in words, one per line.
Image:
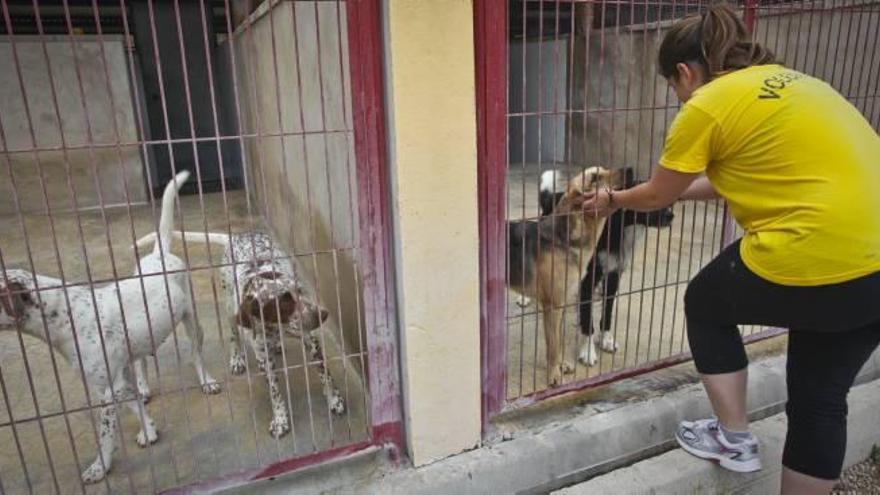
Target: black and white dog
column 611, row 258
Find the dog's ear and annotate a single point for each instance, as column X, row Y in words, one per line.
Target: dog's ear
column 312, row 315
column 16, row 299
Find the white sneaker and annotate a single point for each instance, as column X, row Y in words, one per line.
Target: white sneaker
column 704, row 439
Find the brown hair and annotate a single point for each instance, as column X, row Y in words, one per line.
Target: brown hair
column 717, row 41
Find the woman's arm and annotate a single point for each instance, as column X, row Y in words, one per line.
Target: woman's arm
column 664, row 188
column 700, row 190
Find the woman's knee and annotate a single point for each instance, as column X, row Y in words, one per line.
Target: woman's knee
column 815, row 444
column 816, row 441
column 695, row 296
column 816, row 413
column 812, row 395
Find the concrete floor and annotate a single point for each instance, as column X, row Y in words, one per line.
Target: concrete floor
column 649, row 312
column 200, row 437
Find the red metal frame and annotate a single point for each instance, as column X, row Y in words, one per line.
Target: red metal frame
column 368, row 109
column 272, row 470
column 751, row 14
column 374, row 258
column 490, row 43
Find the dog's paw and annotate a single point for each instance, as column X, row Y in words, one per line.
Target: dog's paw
column 94, row 473
column 523, row 301
column 145, row 438
column 608, row 343
column 336, row 404
column 236, row 364
column 554, row 377
column 588, row 354
column 279, row 426
column 211, row 387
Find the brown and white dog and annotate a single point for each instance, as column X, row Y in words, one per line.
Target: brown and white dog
column 102, row 331
column 613, row 255
column 265, row 298
column 548, row 258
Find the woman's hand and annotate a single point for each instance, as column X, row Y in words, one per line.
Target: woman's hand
column 599, row 203
column 663, row 189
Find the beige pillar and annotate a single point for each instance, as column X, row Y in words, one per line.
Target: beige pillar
column 433, row 162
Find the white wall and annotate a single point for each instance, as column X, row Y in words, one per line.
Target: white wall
column 300, row 165
column 114, row 164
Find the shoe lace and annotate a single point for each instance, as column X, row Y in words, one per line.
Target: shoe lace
column 708, row 423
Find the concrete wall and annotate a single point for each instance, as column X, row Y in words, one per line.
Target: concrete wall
column 432, row 112
column 114, row 165
column 300, row 167
column 626, row 101
column 545, row 92
column 629, row 107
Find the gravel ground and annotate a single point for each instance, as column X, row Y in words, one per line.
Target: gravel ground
column 862, row 478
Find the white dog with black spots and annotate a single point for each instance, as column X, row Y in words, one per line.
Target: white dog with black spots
column 105, row 330
column 264, row 299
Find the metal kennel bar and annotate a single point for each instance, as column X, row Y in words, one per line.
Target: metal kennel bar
column 276, row 108
column 566, row 84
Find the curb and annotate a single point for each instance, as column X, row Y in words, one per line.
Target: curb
column 679, row 472
column 563, row 453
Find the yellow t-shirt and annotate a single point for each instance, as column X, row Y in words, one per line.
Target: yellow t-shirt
column 798, row 165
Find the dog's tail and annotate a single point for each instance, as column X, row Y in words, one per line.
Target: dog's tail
column 190, row 237
column 166, row 220
column 553, row 185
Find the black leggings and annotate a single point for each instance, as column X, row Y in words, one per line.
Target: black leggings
column 833, row 331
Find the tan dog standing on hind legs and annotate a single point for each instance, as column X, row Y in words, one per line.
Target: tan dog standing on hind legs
column 548, row 258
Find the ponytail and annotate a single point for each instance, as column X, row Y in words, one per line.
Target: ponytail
column 717, row 41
